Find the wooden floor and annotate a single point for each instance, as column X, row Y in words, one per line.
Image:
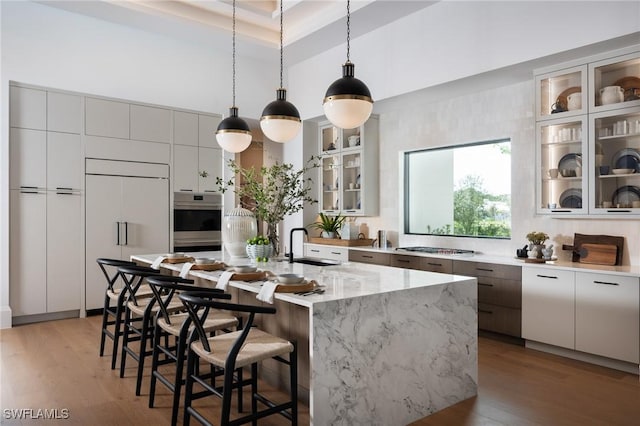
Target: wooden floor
column 56, row 365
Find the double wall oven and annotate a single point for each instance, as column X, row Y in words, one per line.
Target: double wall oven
column 197, row 221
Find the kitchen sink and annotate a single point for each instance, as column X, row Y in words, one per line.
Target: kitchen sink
column 316, row 262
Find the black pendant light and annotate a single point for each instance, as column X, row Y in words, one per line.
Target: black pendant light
column 280, row 119
column 233, row 133
column 348, row 103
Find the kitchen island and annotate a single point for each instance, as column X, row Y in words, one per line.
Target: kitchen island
column 381, row 345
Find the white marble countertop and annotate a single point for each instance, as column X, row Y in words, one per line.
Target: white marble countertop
column 626, row 270
column 344, row 281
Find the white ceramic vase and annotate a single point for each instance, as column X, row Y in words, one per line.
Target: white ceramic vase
column 238, row 226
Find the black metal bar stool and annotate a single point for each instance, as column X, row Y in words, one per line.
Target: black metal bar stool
column 117, row 295
column 138, row 319
column 233, row 351
column 179, row 326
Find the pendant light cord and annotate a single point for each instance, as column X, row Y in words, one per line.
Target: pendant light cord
column 281, row 48
column 348, row 29
column 234, row 54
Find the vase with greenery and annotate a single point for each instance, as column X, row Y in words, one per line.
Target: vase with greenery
column 329, row 225
column 271, row 192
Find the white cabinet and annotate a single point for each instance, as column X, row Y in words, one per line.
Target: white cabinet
column 588, row 122
column 548, row 306
column 28, row 108
column 106, row 118
column 64, row 161
column 28, row 154
column 28, row 254
column 326, row 252
column 197, row 158
column 127, row 212
column 65, row 251
column 348, row 176
column 64, row 112
column 46, row 249
column 150, row 123
column 608, row 316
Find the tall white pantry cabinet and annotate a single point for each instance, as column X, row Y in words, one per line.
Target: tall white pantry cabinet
column 46, row 250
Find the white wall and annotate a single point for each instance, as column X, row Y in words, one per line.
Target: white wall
column 54, row 48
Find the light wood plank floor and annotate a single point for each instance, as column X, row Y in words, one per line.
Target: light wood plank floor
column 56, row 365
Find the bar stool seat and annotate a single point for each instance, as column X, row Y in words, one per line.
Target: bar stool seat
column 258, row 346
column 214, row 321
column 174, row 306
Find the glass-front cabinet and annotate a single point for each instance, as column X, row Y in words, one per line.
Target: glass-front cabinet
column 349, row 171
column 588, row 136
column 616, row 166
column 561, row 156
column 561, row 93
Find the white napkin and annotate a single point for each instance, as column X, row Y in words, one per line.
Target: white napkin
column 156, row 263
column 185, row 269
column 267, row 291
column 223, row 280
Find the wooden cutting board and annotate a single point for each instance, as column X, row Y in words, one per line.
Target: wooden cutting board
column 598, row 254
column 580, row 239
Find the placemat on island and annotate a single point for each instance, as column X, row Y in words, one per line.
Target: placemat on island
column 209, row 266
column 294, row 288
column 251, row 276
column 183, row 259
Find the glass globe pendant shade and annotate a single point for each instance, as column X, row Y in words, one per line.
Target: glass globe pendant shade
column 280, row 119
column 233, row 133
column 348, row 103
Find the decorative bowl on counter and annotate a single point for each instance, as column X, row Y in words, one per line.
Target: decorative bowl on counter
column 175, row 255
column 204, row 260
column 243, row 269
column 290, row 278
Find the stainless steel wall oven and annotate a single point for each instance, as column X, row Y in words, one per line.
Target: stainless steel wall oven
column 197, row 221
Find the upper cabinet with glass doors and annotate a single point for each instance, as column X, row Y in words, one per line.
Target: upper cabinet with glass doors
column 349, row 169
column 588, row 136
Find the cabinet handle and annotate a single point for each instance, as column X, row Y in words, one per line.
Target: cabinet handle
column 366, row 256
column 336, row 252
column 547, row 276
column 484, row 269
column 350, row 211
column 28, row 192
column 484, row 311
column 434, row 264
column 618, row 211
column 58, row 188
column 314, row 250
column 28, row 187
column 126, row 233
column 64, row 193
column 403, row 261
column 561, row 211
column 118, row 233
column 605, row 283
column 186, row 190
column 486, row 285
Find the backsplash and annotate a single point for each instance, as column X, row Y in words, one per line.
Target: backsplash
column 505, row 112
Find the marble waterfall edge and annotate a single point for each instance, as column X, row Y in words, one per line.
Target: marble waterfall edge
column 416, row 352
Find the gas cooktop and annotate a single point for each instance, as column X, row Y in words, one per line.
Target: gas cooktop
column 435, row 250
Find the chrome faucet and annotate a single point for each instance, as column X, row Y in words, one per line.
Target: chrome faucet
column 291, row 241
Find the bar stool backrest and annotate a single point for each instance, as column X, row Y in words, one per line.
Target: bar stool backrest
column 107, row 265
column 133, row 276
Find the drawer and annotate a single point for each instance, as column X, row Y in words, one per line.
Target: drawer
column 480, row 269
column 326, row 252
column 369, row 257
column 403, row 261
column 499, row 319
column 444, row 266
column 498, row 291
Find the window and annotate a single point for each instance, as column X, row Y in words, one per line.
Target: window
column 462, row 190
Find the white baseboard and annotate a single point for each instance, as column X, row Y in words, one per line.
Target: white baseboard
column 5, row 317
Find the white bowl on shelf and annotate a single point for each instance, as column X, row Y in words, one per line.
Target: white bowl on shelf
column 622, row 171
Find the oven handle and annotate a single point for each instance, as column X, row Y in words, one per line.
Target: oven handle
column 183, row 206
